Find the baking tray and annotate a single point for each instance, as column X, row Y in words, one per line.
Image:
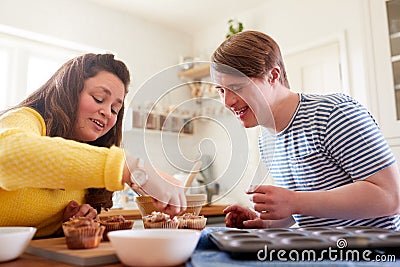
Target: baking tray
column 249, row 242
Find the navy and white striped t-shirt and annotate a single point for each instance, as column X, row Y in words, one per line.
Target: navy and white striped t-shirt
column 331, row 141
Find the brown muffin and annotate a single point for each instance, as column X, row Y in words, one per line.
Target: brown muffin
column 82, row 233
column 113, row 223
column 191, row 221
column 159, row 220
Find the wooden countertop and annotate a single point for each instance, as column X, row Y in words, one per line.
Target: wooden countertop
column 134, row 214
column 28, row 259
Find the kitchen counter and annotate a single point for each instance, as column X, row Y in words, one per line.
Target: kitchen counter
column 134, row 214
column 31, row 260
column 27, row 259
column 205, row 255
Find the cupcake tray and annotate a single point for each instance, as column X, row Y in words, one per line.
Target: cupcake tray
column 249, row 242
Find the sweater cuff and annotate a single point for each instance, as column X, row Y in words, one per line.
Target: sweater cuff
column 113, row 169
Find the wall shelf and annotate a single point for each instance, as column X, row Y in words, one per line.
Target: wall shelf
column 157, row 132
column 196, row 73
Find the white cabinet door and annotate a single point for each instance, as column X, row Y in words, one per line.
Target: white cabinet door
column 384, row 83
column 315, row 70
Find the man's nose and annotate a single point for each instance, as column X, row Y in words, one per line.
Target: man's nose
column 230, row 98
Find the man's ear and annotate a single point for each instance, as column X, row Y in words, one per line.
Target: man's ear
column 274, row 76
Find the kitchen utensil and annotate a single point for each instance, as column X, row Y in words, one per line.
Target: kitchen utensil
column 139, row 191
column 192, row 174
column 14, row 241
column 154, row 247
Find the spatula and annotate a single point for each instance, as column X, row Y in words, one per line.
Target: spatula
column 192, row 174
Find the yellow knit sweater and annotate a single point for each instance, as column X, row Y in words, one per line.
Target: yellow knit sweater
column 39, row 175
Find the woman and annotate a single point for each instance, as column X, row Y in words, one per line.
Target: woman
column 329, row 158
column 62, row 143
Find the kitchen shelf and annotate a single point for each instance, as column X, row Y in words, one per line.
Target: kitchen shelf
column 395, row 43
column 196, row 73
column 157, row 132
column 395, row 35
column 396, row 58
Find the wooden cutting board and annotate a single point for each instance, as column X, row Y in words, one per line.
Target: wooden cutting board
column 56, row 249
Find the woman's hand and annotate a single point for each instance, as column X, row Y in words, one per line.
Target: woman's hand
column 74, row 209
column 172, row 202
column 167, row 192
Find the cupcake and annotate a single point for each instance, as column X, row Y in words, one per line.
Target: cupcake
column 159, row 220
column 191, row 221
column 82, row 233
column 113, row 223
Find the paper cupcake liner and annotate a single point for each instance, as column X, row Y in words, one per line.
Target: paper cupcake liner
column 194, row 205
column 195, row 210
column 114, row 226
column 83, row 237
column 167, row 225
column 195, row 223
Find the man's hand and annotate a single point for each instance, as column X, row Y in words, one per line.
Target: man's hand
column 241, row 217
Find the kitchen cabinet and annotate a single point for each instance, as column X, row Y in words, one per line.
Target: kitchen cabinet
column 393, row 17
column 385, row 36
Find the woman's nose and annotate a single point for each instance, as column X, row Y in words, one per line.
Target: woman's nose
column 105, row 113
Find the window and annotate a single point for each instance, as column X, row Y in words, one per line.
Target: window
column 3, row 77
column 39, row 71
column 28, row 60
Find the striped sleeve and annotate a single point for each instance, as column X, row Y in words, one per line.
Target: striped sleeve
column 355, row 141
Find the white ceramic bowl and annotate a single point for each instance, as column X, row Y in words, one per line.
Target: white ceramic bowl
column 154, row 247
column 14, row 241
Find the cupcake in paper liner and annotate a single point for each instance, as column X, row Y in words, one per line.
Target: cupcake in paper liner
column 191, row 221
column 113, row 223
column 82, row 233
column 159, row 220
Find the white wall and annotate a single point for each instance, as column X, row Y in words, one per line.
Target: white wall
column 145, row 47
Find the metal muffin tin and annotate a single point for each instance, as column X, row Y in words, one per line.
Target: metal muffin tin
column 318, row 238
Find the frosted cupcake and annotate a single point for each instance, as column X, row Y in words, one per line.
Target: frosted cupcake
column 113, row 223
column 82, row 233
column 191, row 221
column 159, row 220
